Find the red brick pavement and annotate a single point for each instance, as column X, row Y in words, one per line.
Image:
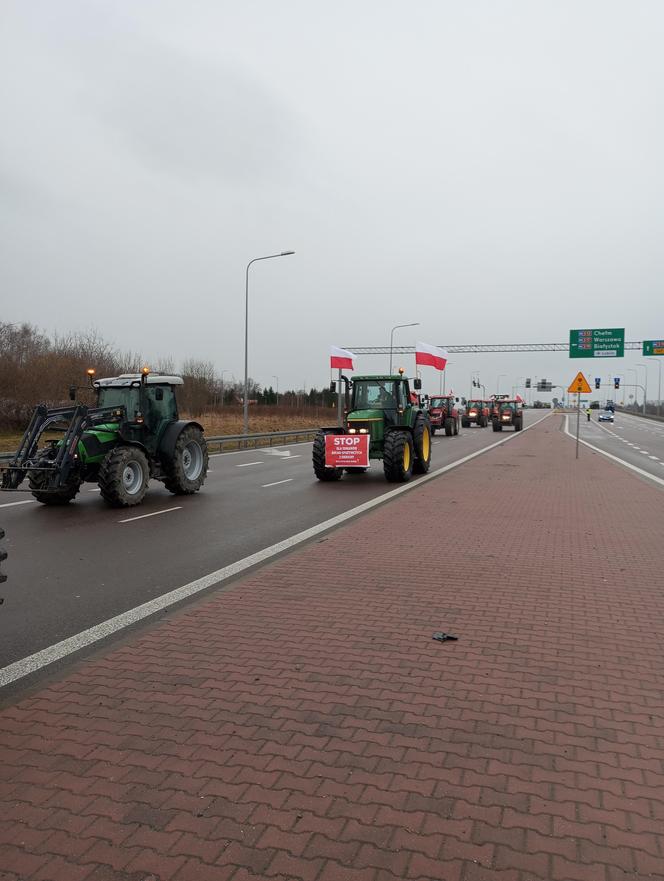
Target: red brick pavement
column 304, row 725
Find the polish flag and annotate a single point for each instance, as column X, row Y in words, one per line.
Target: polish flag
column 341, row 359
column 430, row 356
column 519, row 399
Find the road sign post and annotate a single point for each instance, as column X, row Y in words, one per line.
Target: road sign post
column 579, row 386
column 598, row 342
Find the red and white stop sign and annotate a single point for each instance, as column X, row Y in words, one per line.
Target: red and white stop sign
column 347, row 450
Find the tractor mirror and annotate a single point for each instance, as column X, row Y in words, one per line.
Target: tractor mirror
column 72, row 392
column 417, row 383
column 159, row 394
column 333, row 386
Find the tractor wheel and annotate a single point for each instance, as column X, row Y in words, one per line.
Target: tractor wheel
column 318, row 460
column 465, row 423
column 422, row 445
column 187, row 470
column 518, row 425
column 456, row 426
column 123, row 477
column 398, row 455
column 449, row 426
column 38, row 480
column 497, row 425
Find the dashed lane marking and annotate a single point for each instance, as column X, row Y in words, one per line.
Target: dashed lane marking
column 154, row 514
column 247, row 464
column 277, row 482
column 13, row 504
column 44, row 658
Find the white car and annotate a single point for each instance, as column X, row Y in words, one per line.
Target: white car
column 606, row 416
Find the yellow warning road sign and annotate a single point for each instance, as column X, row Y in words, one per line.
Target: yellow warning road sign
column 579, row 385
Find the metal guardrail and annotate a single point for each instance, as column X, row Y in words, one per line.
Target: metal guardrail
column 223, row 442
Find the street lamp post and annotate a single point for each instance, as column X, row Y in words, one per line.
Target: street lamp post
column 274, row 376
column 659, row 384
column 645, row 387
column 245, row 420
column 636, row 382
column 500, row 375
column 396, row 327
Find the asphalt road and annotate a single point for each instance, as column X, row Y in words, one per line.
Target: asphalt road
column 73, row 567
column 640, row 442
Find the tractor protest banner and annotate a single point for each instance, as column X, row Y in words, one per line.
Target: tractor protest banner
column 430, row 356
column 347, row 450
column 341, row 359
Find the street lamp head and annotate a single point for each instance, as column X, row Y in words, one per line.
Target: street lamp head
column 286, row 253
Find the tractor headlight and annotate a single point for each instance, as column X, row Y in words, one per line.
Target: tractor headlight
column 352, row 431
column 364, row 431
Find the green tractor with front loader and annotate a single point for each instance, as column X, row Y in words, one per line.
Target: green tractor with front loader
column 131, row 435
column 383, row 420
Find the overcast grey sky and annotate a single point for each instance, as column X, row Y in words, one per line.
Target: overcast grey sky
column 491, row 169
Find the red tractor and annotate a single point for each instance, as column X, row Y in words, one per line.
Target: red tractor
column 494, row 405
column 510, row 413
column 477, row 412
column 443, row 414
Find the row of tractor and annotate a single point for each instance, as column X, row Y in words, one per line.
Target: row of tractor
column 384, row 419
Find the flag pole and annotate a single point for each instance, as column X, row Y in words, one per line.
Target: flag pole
column 340, row 409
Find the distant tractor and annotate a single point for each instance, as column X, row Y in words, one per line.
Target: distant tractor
column 477, row 413
column 510, row 413
column 444, row 414
column 385, row 411
column 132, row 435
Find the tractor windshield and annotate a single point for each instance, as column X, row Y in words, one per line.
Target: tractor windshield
column 374, row 394
column 476, row 405
column 509, row 405
column 438, row 402
column 126, row 396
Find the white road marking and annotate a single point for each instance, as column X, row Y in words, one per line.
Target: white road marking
column 273, row 451
column 435, row 442
column 656, row 458
column 247, row 464
column 57, row 651
column 154, row 514
column 296, row 456
column 253, row 449
column 644, row 452
column 13, row 504
column 95, row 489
column 277, row 482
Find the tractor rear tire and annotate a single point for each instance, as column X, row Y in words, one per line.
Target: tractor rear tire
column 465, row 423
column 187, row 470
column 456, row 427
column 318, row 461
column 497, row 426
column 398, row 456
column 37, row 480
column 449, row 426
column 123, row 477
column 518, row 425
column 422, row 445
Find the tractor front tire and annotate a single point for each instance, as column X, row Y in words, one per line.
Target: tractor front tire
column 38, row 479
column 449, row 426
column 465, row 423
column 497, row 426
column 318, row 461
column 398, row 456
column 422, row 445
column 518, row 425
column 187, row 470
column 123, row 477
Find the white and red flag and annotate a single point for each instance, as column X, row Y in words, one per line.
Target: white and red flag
column 430, row 356
column 341, row 359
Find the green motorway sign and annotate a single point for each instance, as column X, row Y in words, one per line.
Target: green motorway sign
column 598, row 342
column 653, row 347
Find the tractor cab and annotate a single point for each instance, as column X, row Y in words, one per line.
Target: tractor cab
column 147, row 402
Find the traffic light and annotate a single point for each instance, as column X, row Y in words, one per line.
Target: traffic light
column 616, row 382
column 527, row 382
column 598, row 381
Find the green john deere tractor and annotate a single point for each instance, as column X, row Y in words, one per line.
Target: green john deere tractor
column 132, row 435
column 397, row 425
